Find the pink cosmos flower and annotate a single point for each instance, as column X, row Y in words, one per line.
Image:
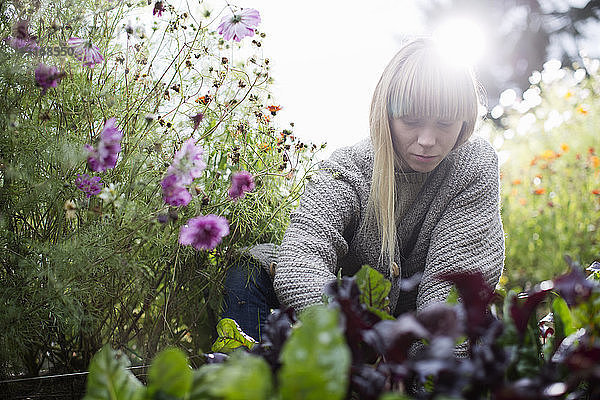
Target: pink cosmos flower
column 239, row 24
column 85, row 51
column 90, row 186
column 22, row 39
column 47, row 76
column 174, row 193
column 109, row 146
column 204, row 232
column 241, row 182
column 188, row 163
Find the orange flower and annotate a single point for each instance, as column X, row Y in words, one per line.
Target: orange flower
column 533, row 161
column 522, row 201
column 591, row 150
column 596, row 191
column 264, row 147
column 595, row 161
column 539, row 191
column 273, row 109
column 204, row 99
column 548, row 155
column 516, row 182
column 564, row 147
column 538, row 176
column 582, row 109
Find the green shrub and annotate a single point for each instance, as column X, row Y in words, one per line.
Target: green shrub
column 81, row 271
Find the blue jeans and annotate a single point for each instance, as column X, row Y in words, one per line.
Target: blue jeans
column 248, row 299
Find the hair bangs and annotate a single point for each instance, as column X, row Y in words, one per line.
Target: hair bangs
column 428, row 87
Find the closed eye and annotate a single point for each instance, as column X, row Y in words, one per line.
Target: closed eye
column 412, row 121
column 445, row 124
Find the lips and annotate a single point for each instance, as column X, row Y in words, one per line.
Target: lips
column 424, row 158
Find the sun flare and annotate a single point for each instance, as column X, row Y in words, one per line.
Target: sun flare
column 461, row 40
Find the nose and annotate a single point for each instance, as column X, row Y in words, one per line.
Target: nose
column 427, row 136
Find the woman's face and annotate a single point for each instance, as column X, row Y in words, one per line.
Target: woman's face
column 422, row 143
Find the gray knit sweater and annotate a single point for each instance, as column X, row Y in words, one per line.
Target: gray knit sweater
column 453, row 224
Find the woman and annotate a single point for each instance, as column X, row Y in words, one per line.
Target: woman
column 420, row 196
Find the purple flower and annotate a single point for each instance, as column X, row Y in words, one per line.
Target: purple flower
column 47, row 76
column 85, row 51
column 173, row 192
column 187, row 163
column 204, row 232
column 22, row 39
column 91, row 186
column 109, row 146
column 239, row 25
column 158, row 9
column 196, row 119
column 241, row 182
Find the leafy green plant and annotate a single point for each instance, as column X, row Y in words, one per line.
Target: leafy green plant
column 344, row 350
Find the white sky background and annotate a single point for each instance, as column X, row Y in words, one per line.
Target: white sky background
column 326, row 58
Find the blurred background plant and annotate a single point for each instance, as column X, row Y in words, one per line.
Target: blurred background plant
column 550, row 171
column 91, row 260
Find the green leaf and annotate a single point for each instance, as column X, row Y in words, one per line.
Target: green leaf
column 109, row 380
column 374, row 288
column 205, row 379
column 222, row 161
column 243, row 376
column 563, row 320
column 453, row 296
column 316, row 359
column 231, row 337
column 381, row 314
column 170, row 374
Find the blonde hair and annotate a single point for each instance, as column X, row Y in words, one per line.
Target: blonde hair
column 417, row 82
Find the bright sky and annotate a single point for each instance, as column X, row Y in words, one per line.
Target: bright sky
column 326, row 58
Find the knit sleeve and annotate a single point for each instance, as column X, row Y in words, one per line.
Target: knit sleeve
column 314, row 241
column 468, row 237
